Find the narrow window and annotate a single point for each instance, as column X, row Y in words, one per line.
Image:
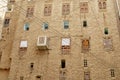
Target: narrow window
column 12, row 1
column 38, row 77
column 26, row 26
column 86, row 75
column 65, row 9
column 108, row 43
column 10, row 7
column 106, row 31
column 30, row 11
column 85, row 45
column 47, row 9
column 6, row 22
column 45, row 25
column 85, row 63
column 62, row 63
column 31, row 65
column 84, row 23
column 66, row 24
column 21, row 78
column 112, row 73
column 65, row 45
column 0, row 57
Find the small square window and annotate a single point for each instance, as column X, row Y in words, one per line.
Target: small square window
column 45, row 25
column 66, row 24
column 23, row 44
column 26, row 26
column 30, row 11
column 84, row 7
column 21, row 78
column 102, row 5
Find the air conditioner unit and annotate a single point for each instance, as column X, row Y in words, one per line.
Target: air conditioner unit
column 42, row 43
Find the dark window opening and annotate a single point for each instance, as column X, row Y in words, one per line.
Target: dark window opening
column 106, row 31
column 6, row 22
column 84, row 23
column 21, row 78
column 32, row 65
column 45, row 26
column 66, row 24
column 62, row 63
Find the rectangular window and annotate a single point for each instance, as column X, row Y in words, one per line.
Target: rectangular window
column 0, row 55
column 66, row 9
column 106, row 31
column 6, row 22
column 65, row 45
column 62, row 63
column 47, row 9
column 45, row 25
column 102, row 4
column 62, row 75
column 108, row 43
column 86, row 75
column 85, row 45
column 85, row 63
column 30, row 11
column 84, row 23
column 66, row 24
column 23, row 46
column 10, row 8
column 26, row 26
column 21, row 78
column 112, row 73
column 84, row 7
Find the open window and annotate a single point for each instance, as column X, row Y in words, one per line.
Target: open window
column 66, row 24
column 65, row 45
column 45, row 25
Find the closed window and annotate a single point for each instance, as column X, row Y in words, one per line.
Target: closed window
column 84, row 7
column 30, row 11
column 66, row 24
column 23, row 44
column 11, row 1
column 47, row 9
column 26, row 26
column 6, row 22
column 108, row 43
column 21, row 78
column 85, row 63
column 87, row 75
column 65, row 45
column 62, row 75
column 102, row 5
column 112, row 73
column 65, row 9
column 85, row 45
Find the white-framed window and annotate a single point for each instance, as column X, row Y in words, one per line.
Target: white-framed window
column 66, row 24
column 45, row 26
column 26, row 26
column 23, row 44
column 65, row 45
